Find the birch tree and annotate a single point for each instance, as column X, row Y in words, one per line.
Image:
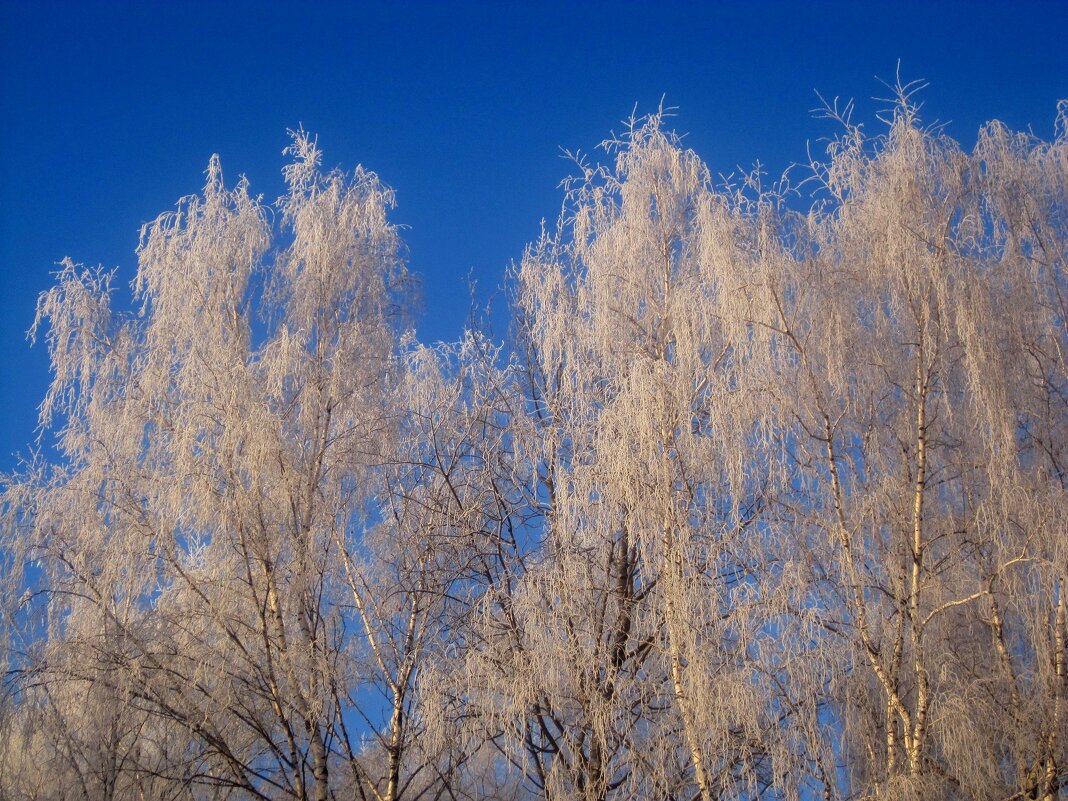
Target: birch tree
column 420, row 571
column 210, row 471
column 768, row 499
column 623, row 659
column 923, row 315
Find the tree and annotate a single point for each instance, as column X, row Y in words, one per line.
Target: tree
column 621, row 663
column 417, row 574
column 768, row 500
column 921, row 311
column 212, row 469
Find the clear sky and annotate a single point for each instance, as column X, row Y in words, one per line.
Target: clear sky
column 111, row 111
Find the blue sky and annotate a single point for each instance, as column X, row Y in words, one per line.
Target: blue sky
column 111, row 112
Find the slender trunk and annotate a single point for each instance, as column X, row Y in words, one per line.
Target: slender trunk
column 396, row 747
column 320, row 766
column 1049, row 780
column 675, row 654
column 919, row 670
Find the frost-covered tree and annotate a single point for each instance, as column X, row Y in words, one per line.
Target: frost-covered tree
column 419, row 571
column 767, row 501
column 218, row 469
column 922, row 322
column 626, row 660
column 793, row 471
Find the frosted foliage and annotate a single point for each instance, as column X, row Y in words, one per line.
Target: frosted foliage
column 765, row 498
column 799, row 479
column 925, row 311
column 627, row 670
column 220, row 476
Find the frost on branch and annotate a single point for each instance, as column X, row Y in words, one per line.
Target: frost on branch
column 764, row 498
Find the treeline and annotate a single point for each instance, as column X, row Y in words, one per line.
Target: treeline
column 764, row 498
